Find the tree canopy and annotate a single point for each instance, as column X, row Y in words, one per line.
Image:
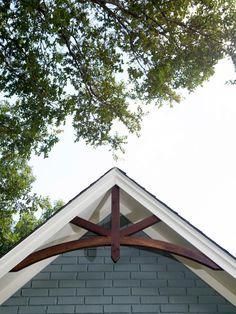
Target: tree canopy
column 69, row 57
column 18, row 205
column 90, row 60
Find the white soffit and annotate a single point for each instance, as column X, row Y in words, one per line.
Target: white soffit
column 85, row 201
column 12, row 281
column 177, row 223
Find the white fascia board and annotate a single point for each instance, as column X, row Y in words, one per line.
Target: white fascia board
column 11, row 282
column 189, row 233
column 221, row 281
column 53, row 225
column 79, row 206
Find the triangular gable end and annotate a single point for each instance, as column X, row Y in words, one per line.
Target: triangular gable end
column 58, row 228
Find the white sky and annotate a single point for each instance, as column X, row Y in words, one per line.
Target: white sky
column 186, row 156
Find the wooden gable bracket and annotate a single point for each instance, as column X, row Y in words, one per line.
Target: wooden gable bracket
column 114, row 238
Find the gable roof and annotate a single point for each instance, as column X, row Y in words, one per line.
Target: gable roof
column 136, row 200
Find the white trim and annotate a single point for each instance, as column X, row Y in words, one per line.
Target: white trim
column 221, row 282
column 11, row 282
column 189, row 233
column 84, row 204
column 53, row 225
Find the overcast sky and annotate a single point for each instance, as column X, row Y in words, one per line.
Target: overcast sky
column 186, row 156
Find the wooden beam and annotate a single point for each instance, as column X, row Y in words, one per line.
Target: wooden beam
column 85, row 224
column 139, row 226
column 62, row 248
column 192, row 254
column 115, row 223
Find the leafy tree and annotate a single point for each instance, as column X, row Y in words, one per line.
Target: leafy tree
column 64, row 58
column 89, row 60
column 28, row 220
column 21, row 210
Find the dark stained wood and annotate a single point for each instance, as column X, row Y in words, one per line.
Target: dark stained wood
column 62, row 248
column 191, row 254
column 85, row 224
column 143, row 224
column 194, row 255
column 114, row 238
column 115, row 223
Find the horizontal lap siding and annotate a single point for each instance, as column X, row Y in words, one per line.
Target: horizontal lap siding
column 142, row 281
column 88, row 281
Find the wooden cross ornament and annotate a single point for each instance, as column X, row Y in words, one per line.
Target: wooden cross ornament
column 115, row 238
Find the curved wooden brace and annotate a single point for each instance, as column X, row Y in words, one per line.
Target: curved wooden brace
column 107, row 241
column 179, row 250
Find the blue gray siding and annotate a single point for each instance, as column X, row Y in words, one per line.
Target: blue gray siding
column 142, row 281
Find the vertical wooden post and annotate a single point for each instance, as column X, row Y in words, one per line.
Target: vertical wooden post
column 115, row 223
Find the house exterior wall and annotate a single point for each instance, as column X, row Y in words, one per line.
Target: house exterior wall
column 87, row 281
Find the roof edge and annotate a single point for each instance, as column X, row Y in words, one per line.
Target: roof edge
column 192, row 234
